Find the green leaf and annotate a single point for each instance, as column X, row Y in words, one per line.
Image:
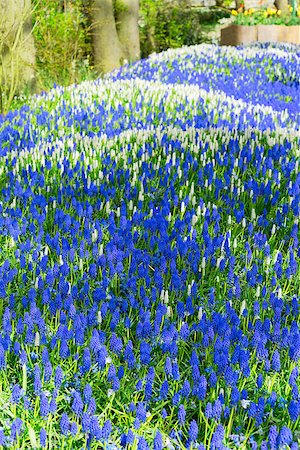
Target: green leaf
column 24, row 382
column 32, row 437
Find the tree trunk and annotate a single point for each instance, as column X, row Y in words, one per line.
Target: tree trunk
column 107, row 48
column 127, row 16
column 283, row 6
column 17, row 49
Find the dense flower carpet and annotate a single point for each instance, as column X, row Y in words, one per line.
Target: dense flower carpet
column 149, row 263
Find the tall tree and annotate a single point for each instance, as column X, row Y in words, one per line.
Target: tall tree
column 127, row 16
column 283, row 5
column 115, row 33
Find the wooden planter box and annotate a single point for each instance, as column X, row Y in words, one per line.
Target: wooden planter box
column 278, row 33
column 238, row 34
column 243, row 34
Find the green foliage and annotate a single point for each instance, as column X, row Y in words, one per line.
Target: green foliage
column 166, row 25
column 118, row 6
column 62, row 33
column 62, row 42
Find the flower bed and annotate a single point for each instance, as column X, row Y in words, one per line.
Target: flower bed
column 266, row 25
column 149, row 264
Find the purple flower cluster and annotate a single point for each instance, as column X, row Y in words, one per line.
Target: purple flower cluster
column 149, row 270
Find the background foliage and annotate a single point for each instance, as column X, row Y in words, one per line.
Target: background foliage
column 62, row 31
column 63, row 44
column 63, row 34
column 164, row 26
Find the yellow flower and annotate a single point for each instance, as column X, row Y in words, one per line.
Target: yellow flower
column 279, row 12
column 246, row 13
column 266, row 14
column 234, row 12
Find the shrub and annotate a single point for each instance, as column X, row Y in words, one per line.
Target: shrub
column 164, row 25
column 62, row 42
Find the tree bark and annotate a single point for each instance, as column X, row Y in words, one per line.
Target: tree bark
column 283, row 6
column 127, row 16
column 107, row 48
